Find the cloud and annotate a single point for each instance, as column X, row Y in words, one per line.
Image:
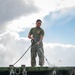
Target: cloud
column 60, row 25
column 13, row 9
column 60, row 17
column 12, row 47
column 60, row 54
column 48, row 6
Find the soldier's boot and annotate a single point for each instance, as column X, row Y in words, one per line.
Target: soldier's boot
column 41, row 63
column 33, row 63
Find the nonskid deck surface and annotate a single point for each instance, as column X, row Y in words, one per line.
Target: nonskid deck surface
column 39, row 70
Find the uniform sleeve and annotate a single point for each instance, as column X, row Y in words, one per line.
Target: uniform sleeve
column 42, row 32
column 30, row 32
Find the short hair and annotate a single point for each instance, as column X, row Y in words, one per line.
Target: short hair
column 38, row 20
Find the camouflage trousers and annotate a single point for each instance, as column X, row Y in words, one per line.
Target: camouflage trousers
column 37, row 50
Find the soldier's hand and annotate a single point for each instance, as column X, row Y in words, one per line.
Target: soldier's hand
column 38, row 43
column 32, row 38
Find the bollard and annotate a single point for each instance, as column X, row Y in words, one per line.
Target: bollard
column 11, row 69
column 54, row 72
column 24, row 72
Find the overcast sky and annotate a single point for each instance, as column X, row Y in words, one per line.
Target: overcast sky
column 17, row 17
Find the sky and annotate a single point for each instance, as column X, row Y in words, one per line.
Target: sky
column 17, row 17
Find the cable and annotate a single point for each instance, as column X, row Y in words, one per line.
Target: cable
column 45, row 58
column 26, row 52
column 22, row 55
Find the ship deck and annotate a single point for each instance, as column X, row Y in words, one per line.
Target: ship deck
column 38, row 70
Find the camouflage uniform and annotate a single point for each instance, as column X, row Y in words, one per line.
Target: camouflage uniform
column 37, row 49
